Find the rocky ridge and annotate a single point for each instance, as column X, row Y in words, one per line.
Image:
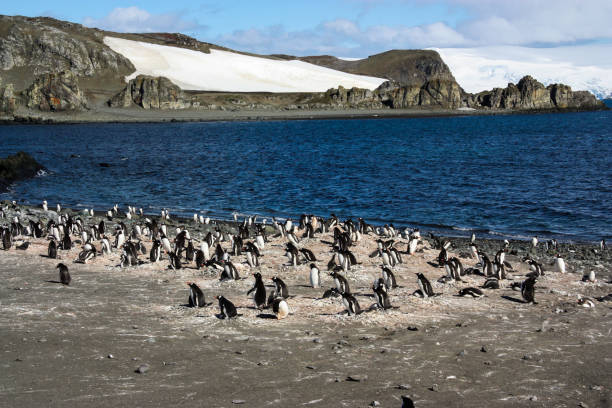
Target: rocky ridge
column 150, row 92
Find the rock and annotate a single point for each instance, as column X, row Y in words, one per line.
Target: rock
column 238, row 402
column 533, row 398
column 150, row 92
column 434, row 388
column 7, row 99
column 357, row 378
column 403, row 387
column 18, row 167
column 55, row 92
column 142, row 369
column 483, row 349
column 582, row 405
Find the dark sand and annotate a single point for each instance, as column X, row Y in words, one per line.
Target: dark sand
column 80, row 345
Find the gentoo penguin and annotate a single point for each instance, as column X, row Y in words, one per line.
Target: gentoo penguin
column 259, row 291
column 64, row 274
column 199, row 259
column 473, row 292
column 155, row 254
column 280, row 308
column 412, row 245
column 52, row 249
column 45, row 206
column 315, row 276
column 7, row 240
column 389, row 278
column 590, row 277
column 196, row 296
column 280, row 287
column 175, row 261
column 528, row 290
column 473, row 238
column 229, row 271
column 66, row 242
column 492, row 282
column 382, row 298
column 534, row 242
column 424, row 285
column 86, row 255
column 59, row 208
column 351, row 304
column 106, row 246
column 407, row 402
column 559, row 264
column 308, row 255
column 586, row 302
column 487, row 266
column 226, row 308
column 602, row 245
column 341, row 282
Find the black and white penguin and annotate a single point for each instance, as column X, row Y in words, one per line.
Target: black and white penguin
column 412, row 245
column 389, row 278
column 66, row 242
column 382, row 298
column 52, row 249
column 196, row 296
column 491, row 283
column 86, row 255
column 200, row 261
column 64, row 274
column 528, row 290
column 308, row 255
column 559, row 264
column 487, row 265
column 424, row 285
column 259, row 291
column 473, row 292
column 175, row 261
column 280, row 287
column 155, row 254
column 315, row 276
column 280, row 308
column 457, row 266
column 342, row 284
column 226, row 308
column 351, row 304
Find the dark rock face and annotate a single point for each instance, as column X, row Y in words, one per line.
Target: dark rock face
column 530, row 94
column 17, row 167
column 150, row 93
column 55, row 92
column 41, row 45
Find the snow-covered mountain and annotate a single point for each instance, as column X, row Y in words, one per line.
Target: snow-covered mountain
column 587, row 67
column 232, row 72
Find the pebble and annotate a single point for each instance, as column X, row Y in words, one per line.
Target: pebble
column 375, row 404
column 527, row 357
column 533, row 398
column 238, row 402
column 110, row 356
column 317, row 340
column 357, row 378
column 311, row 367
column 403, row 387
column 434, row 388
column 582, row 405
column 142, row 369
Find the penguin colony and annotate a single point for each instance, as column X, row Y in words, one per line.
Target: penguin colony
column 139, row 239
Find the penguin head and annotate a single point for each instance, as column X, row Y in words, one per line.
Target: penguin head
column 312, row 266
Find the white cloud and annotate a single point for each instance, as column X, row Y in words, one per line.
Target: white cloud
column 134, row 20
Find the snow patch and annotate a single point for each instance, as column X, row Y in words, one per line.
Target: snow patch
column 232, row 72
column 587, row 67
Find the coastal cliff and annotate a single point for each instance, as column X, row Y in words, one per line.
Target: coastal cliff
column 48, row 67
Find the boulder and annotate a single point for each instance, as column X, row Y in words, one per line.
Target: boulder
column 17, row 167
column 7, row 98
column 150, row 93
column 55, row 92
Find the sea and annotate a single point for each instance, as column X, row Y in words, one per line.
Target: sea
column 504, row 176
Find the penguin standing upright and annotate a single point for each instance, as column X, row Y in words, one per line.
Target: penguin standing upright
column 341, row 283
column 259, row 292
column 559, row 263
column 528, row 290
column 196, row 296
column 389, row 278
column 315, row 276
column 424, row 285
column 351, row 304
column 64, row 274
column 226, row 308
column 52, row 249
column 280, row 287
column 382, row 298
column 155, row 254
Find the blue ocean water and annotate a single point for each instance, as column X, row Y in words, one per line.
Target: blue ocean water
column 510, row 175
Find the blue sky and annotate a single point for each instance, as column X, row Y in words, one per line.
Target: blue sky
column 349, row 28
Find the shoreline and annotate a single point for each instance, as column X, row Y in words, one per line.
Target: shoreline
column 135, row 115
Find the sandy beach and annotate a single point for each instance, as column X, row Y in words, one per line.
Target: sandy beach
column 442, row 351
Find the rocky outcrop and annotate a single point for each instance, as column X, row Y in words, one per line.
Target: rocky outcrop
column 530, row 94
column 7, row 98
column 150, row 93
column 55, row 92
column 36, row 46
column 17, row 167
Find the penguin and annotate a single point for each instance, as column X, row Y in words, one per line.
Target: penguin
column 473, row 238
column 351, row 304
column 196, row 296
column 155, row 254
column 342, row 284
column 602, row 245
column 45, row 207
column 226, row 308
column 24, row 246
column 559, row 264
column 52, row 249
column 382, row 298
column 590, row 277
column 491, row 283
column 64, row 274
column 66, row 242
column 487, row 266
column 407, row 402
column 389, row 278
column 534, row 242
column 424, row 285
column 106, row 246
column 86, row 255
column 259, row 292
column 280, row 287
column 308, row 255
column 7, row 240
column 315, row 276
column 458, row 267
column 280, row 308
column 229, row 271
column 412, row 245
column 205, row 248
column 175, row 262
column 586, row 302
column 528, row 290
column 199, row 259
column 473, row 292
